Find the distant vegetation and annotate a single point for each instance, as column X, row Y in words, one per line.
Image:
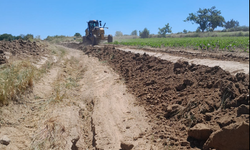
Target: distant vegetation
column 144, row 33
column 208, row 20
column 9, row 37
column 206, row 43
column 134, row 33
column 61, row 38
column 78, row 35
column 163, row 31
column 118, row 33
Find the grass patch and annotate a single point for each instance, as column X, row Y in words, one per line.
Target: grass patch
column 15, row 79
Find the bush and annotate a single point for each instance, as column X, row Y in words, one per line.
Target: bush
column 240, row 34
column 239, row 28
column 77, row 35
column 134, row 32
column 118, row 33
column 198, row 30
column 185, row 31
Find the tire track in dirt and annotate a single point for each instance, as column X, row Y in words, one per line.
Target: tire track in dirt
column 115, row 117
column 41, row 121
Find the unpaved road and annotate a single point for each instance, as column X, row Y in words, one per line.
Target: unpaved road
column 115, row 117
column 231, row 66
column 94, row 111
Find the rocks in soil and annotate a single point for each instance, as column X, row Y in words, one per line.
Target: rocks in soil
column 243, row 109
column 225, row 120
column 200, row 132
column 126, row 146
column 173, row 109
column 234, row 136
column 5, row 140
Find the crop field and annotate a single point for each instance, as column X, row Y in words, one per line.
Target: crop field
column 205, row 43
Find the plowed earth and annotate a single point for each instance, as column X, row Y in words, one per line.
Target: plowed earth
column 21, row 49
column 179, row 95
column 204, row 54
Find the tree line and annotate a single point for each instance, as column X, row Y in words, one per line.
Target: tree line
column 208, row 19
column 9, row 37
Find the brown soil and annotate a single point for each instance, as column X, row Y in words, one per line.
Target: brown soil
column 201, row 54
column 179, row 95
column 122, row 100
column 21, row 49
column 80, row 103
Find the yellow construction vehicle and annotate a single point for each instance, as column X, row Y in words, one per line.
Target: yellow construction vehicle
column 95, row 33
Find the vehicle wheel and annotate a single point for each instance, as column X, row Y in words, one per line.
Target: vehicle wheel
column 84, row 39
column 110, row 38
column 94, row 40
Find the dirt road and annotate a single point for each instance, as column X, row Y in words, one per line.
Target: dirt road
column 80, row 103
column 115, row 117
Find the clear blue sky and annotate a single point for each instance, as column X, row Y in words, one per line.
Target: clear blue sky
column 66, row 17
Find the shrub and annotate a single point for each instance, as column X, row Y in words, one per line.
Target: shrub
column 77, row 35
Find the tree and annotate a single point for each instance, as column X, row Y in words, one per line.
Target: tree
column 77, row 35
column 134, row 32
column 200, row 18
column 118, row 33
column 144, row 33
column 185, row 31
column 28, row 37
column 215, row 19
column 6, row 37
column 163, row 31
column 231, row 24
column 206, row 18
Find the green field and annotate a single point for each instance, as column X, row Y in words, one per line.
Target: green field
column 204, row 43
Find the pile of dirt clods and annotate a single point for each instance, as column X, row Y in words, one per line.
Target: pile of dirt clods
column 193, row 106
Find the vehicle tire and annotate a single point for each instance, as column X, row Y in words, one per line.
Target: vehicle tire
column 94, row 40
column 110, row 38
column 84, row 39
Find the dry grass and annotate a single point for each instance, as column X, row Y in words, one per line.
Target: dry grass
column 15, row 79
column 51, row 136
column 67, row 80
column 18, row 76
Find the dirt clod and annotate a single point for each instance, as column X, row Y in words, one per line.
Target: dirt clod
column 5, row 140
column 235, row 136
column 200, row 132
column 243, row 109
column 126, row 146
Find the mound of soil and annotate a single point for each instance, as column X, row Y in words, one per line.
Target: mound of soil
column 178, row 96
column 2, row 57
column 227, row 56
column 204, row 54
column 20, row 48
